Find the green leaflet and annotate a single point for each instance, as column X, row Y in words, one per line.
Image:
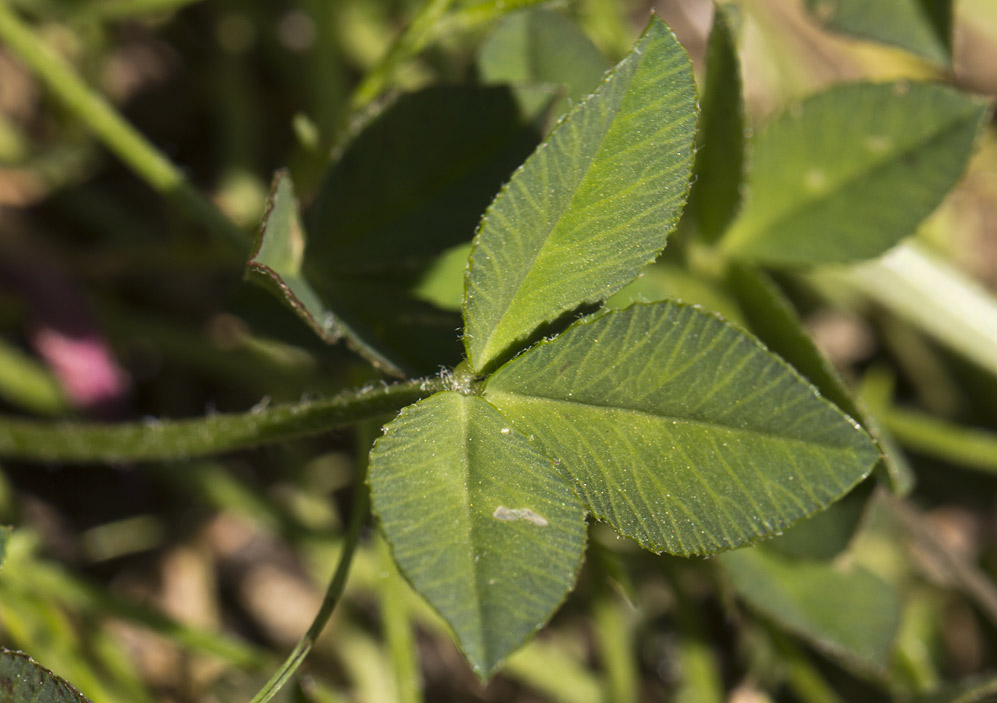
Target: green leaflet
column 850, row 172
column 371, row 231
column 377, row 318
column 23, row 680
column 539, row 46
column 478, row 520
column 923, row 27
column 277, row 260
column 590, row 207
column 679, row 430
column 847, row 612
column 719, row 167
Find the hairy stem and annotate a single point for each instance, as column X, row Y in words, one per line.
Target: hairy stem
column 333, row 593
column 78, row 442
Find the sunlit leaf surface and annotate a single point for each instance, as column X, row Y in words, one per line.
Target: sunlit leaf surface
column 682, row 432
column 479, row 521
column 590, row 207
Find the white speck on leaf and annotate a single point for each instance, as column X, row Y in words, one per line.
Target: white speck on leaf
column 510, row 514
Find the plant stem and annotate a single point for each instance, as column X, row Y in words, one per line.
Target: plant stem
column 614, row 635
column 802, row 677
column 332, row 594
column 921, row 432
column 469, row 17
column 79, row 442
column 409, row 43
column 700, row 679
column 116, row 134
column 397, row 625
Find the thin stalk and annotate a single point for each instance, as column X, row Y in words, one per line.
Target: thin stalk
column 332, row 594
column 471, row 17
column 614, row 636
column 967, row 446
column 700, row 680
column 111, row 128
column 398, row 630
column 409, row 43
column 82, row 442
column 802, row 677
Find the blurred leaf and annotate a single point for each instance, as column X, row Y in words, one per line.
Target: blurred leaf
column 23, row 680
column 478, row 520
column 397, row 196
column 664, row 280
column 393, row 324
column 700, row 678
column 923, row 27
column 384, row 323
column 829, row 532
column 846, row 612
column 848, row 173
column 680, row 431
column 550, row 667
column 471, row 14
column 372, row 228
column 442, row 283
column 26, row 382
column 719, row 167
column 590, row 207
column 539, row 46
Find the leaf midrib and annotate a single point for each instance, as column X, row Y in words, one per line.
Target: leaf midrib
column 465, row 426
column 687, row 421
column 552, row 226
